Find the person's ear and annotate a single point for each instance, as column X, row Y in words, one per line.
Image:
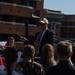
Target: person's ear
column 71, row 53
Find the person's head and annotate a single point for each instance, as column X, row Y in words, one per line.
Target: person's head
column 48, row 51
column 28, row 52
column 64, row 50
column 43, row 24
column 11, row 41
column 47, row 54
column 10, row 56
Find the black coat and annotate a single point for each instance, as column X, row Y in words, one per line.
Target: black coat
column 63, row 67
column 48, row 37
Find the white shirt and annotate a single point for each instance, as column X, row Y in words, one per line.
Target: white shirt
column 19, row 56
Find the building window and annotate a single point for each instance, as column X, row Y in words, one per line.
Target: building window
column 5, row 18
column 20, row 20
column 18, row 1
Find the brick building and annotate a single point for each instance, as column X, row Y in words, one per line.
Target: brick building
column 63, row 25
column 68, row 26
column 54, row 18
column 15, row 14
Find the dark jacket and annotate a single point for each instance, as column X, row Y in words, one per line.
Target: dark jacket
column 48, row 37
column 32, row 68
column 63, row 67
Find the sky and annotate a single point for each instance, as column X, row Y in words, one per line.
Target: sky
column 65, row 6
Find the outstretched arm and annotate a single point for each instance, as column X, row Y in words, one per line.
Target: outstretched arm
column 22, row 38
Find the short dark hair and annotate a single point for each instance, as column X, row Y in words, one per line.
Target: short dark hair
column 28, row 51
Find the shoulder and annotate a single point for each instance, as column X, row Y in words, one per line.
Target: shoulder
column 2, row 72
column 50, row 70
column 15, row 73
column 37, row 33
column 38, row 68
column 37, row 64
column 50, row 31
column 72, row 66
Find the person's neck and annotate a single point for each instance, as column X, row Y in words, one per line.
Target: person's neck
column 67, row 59
column 11, row 46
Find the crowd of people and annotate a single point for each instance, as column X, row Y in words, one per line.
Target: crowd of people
column 59, row 60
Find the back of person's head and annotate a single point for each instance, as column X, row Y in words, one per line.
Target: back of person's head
column 10, row 56
column 64, row 49
column 47, row 54
column 30, row 67
column 28, row 51
column 48, row 50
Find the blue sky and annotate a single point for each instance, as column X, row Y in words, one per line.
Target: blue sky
column 66, row 6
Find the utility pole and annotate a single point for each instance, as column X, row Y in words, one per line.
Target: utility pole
column 26, row 29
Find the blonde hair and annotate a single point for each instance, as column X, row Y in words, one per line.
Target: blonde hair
column 47, row 55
